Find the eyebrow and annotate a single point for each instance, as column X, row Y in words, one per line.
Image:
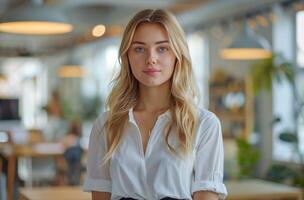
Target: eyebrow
column 159, row 42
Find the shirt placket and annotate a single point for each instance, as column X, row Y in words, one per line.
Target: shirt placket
column 149, row 149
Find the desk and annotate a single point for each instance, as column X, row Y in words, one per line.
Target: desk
column 237, row 190
column 51, row 193
column 262, row 190
column 12, row 152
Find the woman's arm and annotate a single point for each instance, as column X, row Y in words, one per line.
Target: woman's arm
column 209, row 163
column 205, row 195
column 101, row 195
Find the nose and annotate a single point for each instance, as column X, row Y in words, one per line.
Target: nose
column 151, row 58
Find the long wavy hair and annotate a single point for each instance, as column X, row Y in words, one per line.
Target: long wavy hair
column 124, row 94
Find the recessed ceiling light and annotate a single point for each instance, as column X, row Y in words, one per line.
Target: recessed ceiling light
column 98, row 30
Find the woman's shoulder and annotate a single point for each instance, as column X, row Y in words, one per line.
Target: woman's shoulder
column 205, row 115
column 97, row 131
column 209, row 127
column 101, row 120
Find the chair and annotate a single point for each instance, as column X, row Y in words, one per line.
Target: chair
column 2, row 186
column 34, row 136
column 36, row 171
column 2, row 183
column 4, row 139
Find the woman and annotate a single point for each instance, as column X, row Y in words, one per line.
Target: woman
column 154, row 143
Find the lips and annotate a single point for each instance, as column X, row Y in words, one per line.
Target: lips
column 151, row 71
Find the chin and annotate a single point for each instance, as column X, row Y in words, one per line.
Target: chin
column 153, row 83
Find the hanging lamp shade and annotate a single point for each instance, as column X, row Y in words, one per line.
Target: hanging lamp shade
column 247, row 46
column 35, row 20
column 71, row 69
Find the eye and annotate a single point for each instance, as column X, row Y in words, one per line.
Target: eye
column 138, row 49
column 163, row 49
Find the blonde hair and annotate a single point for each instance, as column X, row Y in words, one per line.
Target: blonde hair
column 125, row 87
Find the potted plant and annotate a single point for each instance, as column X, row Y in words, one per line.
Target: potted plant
column 264, row 73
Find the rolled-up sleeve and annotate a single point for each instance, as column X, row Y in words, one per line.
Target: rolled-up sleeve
column 208, row 168
column 98, row 173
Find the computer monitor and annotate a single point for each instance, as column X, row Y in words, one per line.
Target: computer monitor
column 9, row 109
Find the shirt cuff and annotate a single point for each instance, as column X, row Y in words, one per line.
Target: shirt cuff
column 216, row 187
column 98, row 185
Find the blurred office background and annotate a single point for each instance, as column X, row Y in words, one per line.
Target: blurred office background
column 248, row 58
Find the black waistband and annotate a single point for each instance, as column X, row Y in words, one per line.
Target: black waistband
column 166, row 198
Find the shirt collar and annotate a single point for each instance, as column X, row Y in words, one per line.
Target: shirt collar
column 166, row 114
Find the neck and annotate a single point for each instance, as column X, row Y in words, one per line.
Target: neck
column 154, row 99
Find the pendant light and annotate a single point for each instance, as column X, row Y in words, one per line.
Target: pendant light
column 247, row 46
column 71, row 71
column 71, row 68
column 34, row 19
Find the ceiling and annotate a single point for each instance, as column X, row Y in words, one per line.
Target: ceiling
column 85, row 14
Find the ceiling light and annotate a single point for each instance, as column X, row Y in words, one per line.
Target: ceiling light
column 247, row 46
column 114, row 30
column 98, row 30
column 71, row 71
column 35, row 20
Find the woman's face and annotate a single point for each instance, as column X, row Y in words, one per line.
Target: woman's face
column 150, row 55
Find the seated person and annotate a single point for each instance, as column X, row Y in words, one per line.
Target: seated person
column 73, row 153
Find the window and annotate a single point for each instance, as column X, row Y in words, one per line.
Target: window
column 300, row 38
column 286, row 107
column 102, row 66
column 199, row 54
column 26, row 80
column 300, row 76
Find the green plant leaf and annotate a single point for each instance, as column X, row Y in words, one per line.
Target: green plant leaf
column 279, row 173
column 247, row 157
column 264, row 72
column 288, row 137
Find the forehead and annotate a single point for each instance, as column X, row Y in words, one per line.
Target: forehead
column 150, row 32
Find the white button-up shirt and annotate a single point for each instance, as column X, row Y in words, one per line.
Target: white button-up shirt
column 157, row 173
